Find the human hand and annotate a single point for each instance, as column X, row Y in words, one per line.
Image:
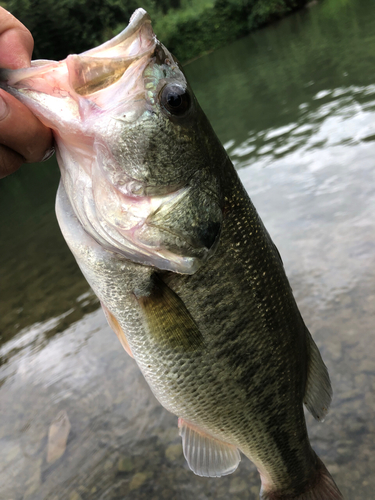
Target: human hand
column 23, row 138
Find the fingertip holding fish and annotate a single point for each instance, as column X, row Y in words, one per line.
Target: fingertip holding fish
column 48, row 154
column 4, row 109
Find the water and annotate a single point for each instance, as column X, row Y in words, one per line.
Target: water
column 295, row 106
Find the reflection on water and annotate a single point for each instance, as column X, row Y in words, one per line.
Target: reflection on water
column 295, row 106
column 345, row 116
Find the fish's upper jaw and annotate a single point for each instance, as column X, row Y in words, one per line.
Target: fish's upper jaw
column 138, row 15
column 139, row 27
column 98, row 69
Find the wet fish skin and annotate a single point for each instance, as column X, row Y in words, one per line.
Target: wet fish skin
column 218, row 336
column 250, row 404
column 255, row 402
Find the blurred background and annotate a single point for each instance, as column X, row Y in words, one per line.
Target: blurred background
column 188, row 28
column 294, row 105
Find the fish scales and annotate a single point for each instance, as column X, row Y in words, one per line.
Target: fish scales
column 265, row 421
column 230, row 316
column 188, row 277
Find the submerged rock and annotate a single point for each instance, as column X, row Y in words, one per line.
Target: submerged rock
column 58, row 436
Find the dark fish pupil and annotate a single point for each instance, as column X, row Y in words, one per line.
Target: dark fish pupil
column 174, row 100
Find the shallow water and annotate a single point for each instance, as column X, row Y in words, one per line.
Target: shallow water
column 295, row 106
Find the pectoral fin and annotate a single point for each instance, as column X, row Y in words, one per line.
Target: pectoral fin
column 318, row 392
column 205, row 455
column 168, row 319
column 115, row 325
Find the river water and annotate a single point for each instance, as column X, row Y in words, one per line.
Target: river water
column 294, row 105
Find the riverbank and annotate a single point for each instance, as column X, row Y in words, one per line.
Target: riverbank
column 189, row 28
column 198, row 29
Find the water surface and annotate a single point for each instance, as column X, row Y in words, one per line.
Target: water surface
column 294, row 105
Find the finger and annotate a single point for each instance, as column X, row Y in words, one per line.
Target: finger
column 10, row 161
column 21, row 131
column 16, row 42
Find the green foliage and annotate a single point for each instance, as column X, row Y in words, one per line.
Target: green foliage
column 165, row 5
column 266, row 11
column 188, row 28
column 70, row 26
column 193, row 31
column 332, row 8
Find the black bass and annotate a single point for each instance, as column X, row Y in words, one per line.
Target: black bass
column 162, row 228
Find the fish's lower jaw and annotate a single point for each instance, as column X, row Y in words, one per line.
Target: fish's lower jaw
column 162, row 260
column 176, row 264
column 180, row 259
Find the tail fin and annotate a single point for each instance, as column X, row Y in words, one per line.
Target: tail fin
column 322, row 487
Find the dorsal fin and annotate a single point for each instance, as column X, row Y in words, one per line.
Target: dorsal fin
column 206, row 455
column 318, row 391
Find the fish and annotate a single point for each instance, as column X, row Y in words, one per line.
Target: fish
column 188, row 277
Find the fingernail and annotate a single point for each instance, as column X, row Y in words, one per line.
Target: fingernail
column 48, row 154
column 4, row 110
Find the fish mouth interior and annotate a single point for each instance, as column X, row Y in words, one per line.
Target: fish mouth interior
column 91, row 74
column 101, row 67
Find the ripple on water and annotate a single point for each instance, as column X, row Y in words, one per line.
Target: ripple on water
column 348, row 118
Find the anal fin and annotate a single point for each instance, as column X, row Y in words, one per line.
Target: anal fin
column 206, row 455
column 318, row 391
column 115, row 325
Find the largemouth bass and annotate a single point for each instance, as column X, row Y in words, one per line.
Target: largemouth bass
column 188, row 277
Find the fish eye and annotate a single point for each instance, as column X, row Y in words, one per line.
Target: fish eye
column 175, row 99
